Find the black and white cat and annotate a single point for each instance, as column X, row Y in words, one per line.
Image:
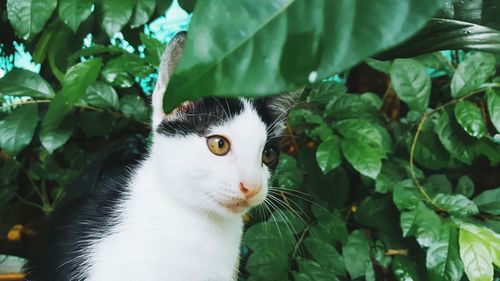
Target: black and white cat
column 179, row 215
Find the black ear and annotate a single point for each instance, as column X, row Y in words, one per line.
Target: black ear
column 169, row 61
column 277, row 108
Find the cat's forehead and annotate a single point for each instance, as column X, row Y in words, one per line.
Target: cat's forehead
column 202, row 116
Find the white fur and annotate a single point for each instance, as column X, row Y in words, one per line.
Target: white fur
column 171, row 226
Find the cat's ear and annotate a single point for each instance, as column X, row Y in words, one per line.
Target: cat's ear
column 169, row 61
column 279, row 106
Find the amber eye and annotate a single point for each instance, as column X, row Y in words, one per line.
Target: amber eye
column 218, row 145
column 269, row 156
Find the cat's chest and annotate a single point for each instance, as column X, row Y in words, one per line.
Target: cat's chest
column 167, row 243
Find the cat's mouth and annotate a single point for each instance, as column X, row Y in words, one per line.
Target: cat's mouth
column 235, row 207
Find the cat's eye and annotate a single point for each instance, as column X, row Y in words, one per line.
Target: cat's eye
column 269, row 156
column 218, row 145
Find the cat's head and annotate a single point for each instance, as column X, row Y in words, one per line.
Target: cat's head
column 215, row 154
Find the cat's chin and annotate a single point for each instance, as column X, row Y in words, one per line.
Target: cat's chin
column 235, row 208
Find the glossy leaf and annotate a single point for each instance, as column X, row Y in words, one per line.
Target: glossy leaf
column 494, row 107
column 267, row 265
column 21, row 82
column 465, row 186
column 456, row 204
column 422, row 223
column 476, row 256
column 405, row 269
column 328, row 154
column 471, row 73
column 489, row 201
column 411, row 83
column 74, row 12
column 142, row 12
column 364, row 158
column 17, row 129
column 356, row 254
column 57, row 125
column 78, row 78
column 116, row 74
column 102, row 95
column 115, row 14
column 154, row 49
column 28, row 17
column 313, row 271
column 326, row 255
column 288, row 174
column 133, row 106
column 406, row 195
column 443, row 259
column 469, row 116
column 360, row 130
column 272, row 236
column 227, row 65
column 330, row 228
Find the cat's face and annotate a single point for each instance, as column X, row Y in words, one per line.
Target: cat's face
column 217, row 154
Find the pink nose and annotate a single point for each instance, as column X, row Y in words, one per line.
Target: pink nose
column 251, row 191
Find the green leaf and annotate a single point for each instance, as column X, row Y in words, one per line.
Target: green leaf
column 273, row 236
column 494, row 107
column 74, row 12
column 458, row 144
column 230, row 62
column 364, row 158
column 116, row 73
column 471, row 73
column 346, row 106
column 412, row 83
column 292, row 220
column 406, row 195
column 465, row 186
column 78, row 78
column 115, row 14
column 435, row 184
column 28, row 17
column 429, row 152
column 360, row 130
column 330, row 228
column 266, row 264
column 17, row 129
column 21, row 82
column 382, row 66
column 469, row 116
column 489, row 201
column 405, row 269
column 57, row 125
column 133, row 106
column 142, row 12
column 102, row 95
column 356, row 254
column 476, row 256
column 154, row 49
column 326, row 255
column 443, row 259
column 313, row 271
column 287, row 173
column 328, row 154
column 456, row 204
column 422, row 223
column 96, row 124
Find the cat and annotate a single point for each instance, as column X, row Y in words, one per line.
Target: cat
column 178, row 216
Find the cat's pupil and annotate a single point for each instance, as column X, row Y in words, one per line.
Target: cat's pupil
column 220, row 143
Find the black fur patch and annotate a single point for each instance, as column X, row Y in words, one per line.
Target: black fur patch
column 199, row 116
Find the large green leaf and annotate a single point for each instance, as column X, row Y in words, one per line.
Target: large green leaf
column 457, row 142
column 56, row 126
column 456, row 204
column 412, row 83
column 489, row 201
column 360, row 130
column 16, row 130
column 364, row 158
column 475, row 256
column 115, row 14
column 469, row 116
column 21, row 82
column 356, row 254
column 78, row 78
column 328, row 154
column 154, row 49
column 494, row 107
column 133, row 106
column 74, row 12
column 288, row 174
column 406, row 195
column 326, row 255
column 266, row 264
column 443, row 259
column 142, row 12
column 471, row 73
column 102, row 95
column 405, row 269
column 290, row 36
column 313, row 271
column 28, row 17
column 275, row 236
column 465, row 186
column 330, row 228
column 422, row 223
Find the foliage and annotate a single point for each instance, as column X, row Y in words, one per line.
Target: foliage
column 391, row 171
